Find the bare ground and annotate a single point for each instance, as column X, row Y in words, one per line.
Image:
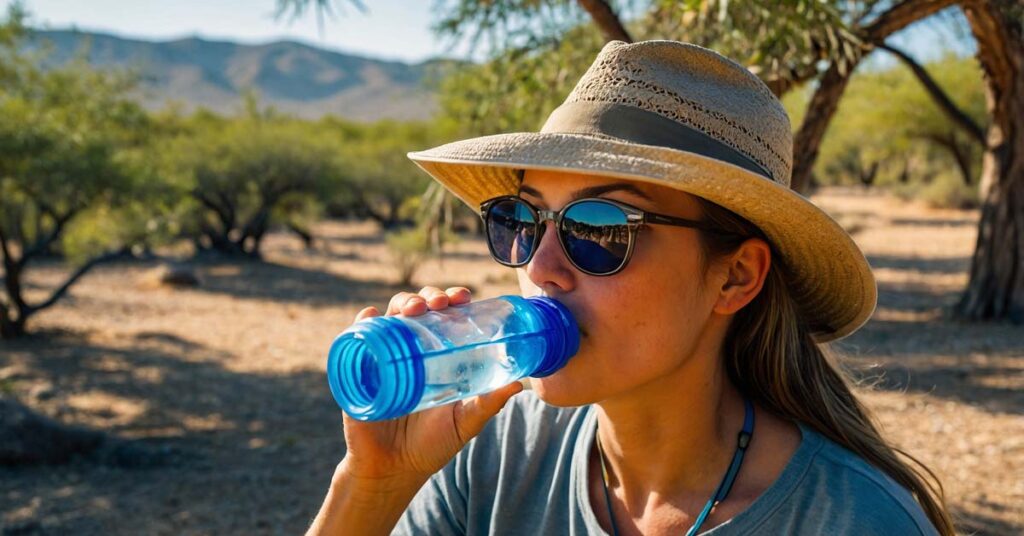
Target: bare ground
column 222, row 387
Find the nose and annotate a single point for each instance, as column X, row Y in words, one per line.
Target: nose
column 549, row 269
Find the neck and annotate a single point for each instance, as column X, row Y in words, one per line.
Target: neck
column 673, row 437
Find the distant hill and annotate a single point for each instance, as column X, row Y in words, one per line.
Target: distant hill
column 295, row 78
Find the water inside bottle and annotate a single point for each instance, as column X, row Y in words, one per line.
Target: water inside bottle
column 473, row 370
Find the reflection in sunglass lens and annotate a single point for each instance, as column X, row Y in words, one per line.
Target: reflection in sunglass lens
column 511, row 230
column 596, row 236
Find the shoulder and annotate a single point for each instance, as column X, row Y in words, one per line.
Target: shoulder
column 529, row 445
column 850, row 496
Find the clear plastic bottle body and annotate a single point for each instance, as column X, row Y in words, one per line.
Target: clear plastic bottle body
column 384, row 367
column 477, row 348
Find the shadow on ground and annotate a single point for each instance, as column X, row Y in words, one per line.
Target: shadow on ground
column 981, row 524
column 288, row 284
column 227, row 427
column 953, row 265
column 978, row 363
column 934, row 222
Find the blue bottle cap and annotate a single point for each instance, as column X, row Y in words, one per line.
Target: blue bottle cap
column 561, row 333
column 375, row 369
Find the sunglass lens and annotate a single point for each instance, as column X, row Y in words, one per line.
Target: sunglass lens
column 511, row 231
column 596, row 236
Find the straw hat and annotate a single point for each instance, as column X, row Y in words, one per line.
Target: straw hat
column 682, row 116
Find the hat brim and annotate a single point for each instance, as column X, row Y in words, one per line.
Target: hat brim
column 828, row 275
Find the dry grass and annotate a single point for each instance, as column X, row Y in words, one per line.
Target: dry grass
column 226, row 379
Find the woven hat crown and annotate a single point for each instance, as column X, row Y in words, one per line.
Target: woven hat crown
column 681, row 116
column 694, row 87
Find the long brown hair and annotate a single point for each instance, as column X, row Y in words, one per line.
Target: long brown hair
column 771, row 356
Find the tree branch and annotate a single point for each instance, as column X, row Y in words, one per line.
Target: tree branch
column 832, row 83
column 949, row 143
column 887, row 23
column 106, row 257
column 606, row 20
column 12, row 274
column 42, row 244
column 226, row 219
column 900, row 16
column 3, row 247
column 945, row 104
column 229, row 210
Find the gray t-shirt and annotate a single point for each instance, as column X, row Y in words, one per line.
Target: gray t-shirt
column 526, row 473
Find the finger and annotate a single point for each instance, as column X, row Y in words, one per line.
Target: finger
column 407, row 303
column 435, row 298
column 367, row 312
column 458, row 295
column 473, row 413
column 396, row 303
column 415, row 306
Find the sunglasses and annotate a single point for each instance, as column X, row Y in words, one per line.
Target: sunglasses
column 597, row 235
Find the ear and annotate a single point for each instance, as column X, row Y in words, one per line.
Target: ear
column 747, row 269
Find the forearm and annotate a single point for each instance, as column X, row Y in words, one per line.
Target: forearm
column 363, row 507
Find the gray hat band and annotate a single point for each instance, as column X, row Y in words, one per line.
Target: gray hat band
column 628, row 123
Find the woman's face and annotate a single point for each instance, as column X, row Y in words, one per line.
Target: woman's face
column 640, row 325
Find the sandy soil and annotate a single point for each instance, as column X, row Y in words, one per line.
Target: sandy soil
column 224, row 384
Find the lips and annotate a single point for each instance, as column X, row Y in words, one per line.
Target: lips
column 570, row 307
column 579, row 318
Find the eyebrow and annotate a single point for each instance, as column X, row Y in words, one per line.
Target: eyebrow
column 594, row 191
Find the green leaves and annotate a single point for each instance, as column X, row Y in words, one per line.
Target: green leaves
column 782, row 42
column 886, row 117
column 517, row 90
column 244, row 175
column 66, row 146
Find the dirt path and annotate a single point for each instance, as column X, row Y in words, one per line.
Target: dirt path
column 225, row 383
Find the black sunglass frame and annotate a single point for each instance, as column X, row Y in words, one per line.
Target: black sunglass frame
column 635, row 219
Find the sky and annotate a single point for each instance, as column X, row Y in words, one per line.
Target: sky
column 390, row 29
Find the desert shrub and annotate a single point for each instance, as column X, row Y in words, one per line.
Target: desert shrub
column 944, row 191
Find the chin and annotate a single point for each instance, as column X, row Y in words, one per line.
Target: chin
column 563, row 389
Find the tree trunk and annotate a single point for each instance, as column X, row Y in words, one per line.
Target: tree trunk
column 820, row 110
column 302, row 233
column 962, row 155
column 867, row 176
column 11, row 328
column 995, row 290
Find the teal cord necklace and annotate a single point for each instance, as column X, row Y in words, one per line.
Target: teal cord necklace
column 723, row 488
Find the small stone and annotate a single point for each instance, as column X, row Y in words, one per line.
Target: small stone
column 171, row 275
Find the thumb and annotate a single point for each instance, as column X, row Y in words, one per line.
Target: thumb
column 472, row 414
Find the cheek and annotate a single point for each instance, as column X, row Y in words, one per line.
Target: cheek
column 654, row 314
column 656, row 322
column 637, row 331
column 642, row 323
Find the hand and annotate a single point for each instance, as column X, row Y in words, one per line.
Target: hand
column 418, row 445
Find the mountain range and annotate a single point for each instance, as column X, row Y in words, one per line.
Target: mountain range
column 295, row 78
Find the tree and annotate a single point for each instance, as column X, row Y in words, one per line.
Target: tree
column 887, row 119
column 247, row 174
column 378, row 176
column 835, row 38
column 69, row 143
column 995, row 289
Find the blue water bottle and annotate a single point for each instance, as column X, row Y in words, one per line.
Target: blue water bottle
column 388, row 366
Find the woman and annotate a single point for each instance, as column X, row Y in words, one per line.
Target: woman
column 700, row 399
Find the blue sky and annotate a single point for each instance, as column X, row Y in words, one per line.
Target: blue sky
column 391, row 29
